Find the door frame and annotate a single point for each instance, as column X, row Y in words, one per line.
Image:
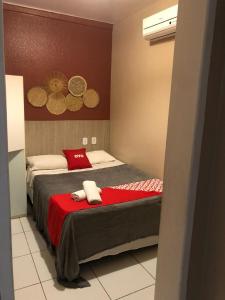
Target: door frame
column 6, row 272
column 207, row 260
column 192, row 57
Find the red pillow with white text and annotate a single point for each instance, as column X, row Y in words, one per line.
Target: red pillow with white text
column 77, row 159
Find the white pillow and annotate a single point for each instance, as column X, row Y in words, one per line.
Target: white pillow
column 47, row 162
column 99, row 156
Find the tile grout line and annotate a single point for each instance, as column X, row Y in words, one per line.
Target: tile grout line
column 43, row 291
column 38, row 276
column 36, row 269
column 15, row 257
column 22, row 288
column 40, row 282
column 31, row 253
column 21, row 225
column 92, row 269
column 43, row 281
column 143, row 267
column 31, row 229
column 50, row 279
column 151, row 285
column 35, row 252
column 17, row 233
column 26, row 242
column 53, row 278
column 34, row 234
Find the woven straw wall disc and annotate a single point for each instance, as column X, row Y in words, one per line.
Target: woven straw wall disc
column 56, row 104
column 37, row 96
column 56, row 82
column 77, row 86
column 91, row 98
column 74, row 103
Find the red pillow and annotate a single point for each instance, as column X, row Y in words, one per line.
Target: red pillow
column 77, row 159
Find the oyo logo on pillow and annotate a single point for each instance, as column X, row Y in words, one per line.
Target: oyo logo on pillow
column 78, row 156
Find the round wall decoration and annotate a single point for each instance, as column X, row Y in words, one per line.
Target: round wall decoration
column 77, row 86
column 74, row 103
column 91, row 98
column 56, row 104
column 56, row 82
column 37, row 96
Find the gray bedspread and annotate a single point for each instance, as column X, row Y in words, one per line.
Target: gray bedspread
column 88, row 232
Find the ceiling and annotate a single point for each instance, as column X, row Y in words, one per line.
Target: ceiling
column 109, row 11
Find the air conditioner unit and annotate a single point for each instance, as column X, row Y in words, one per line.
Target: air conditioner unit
column 161, row 25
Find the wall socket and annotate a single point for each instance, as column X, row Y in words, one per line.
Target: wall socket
column 84, row 141
column 94, row 140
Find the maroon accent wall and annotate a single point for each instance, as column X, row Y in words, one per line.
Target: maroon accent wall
column 38, row 42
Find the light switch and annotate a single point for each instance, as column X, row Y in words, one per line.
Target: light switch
column 94, row 140
column 85, row 141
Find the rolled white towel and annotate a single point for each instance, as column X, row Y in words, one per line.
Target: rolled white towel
column 81, row 195
column 91, row 190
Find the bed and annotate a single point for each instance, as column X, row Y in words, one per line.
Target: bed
column 91, row 234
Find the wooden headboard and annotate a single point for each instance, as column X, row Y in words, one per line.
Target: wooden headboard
column 50, row 137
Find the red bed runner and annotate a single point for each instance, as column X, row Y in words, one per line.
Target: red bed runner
column 62, row 205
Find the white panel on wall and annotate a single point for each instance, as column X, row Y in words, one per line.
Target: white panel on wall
column 17, row 175
column 16, row 144
column 15, row 112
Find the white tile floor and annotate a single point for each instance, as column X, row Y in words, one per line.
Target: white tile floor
column 128, row 276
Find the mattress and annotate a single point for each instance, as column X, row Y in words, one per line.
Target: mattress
column 31, row 174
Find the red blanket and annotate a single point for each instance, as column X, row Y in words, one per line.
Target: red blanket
column 62, row 205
